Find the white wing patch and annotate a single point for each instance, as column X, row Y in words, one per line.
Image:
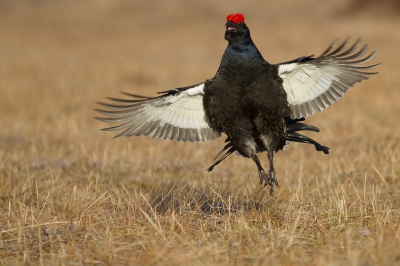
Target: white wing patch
column 298, row 81
column 176, row 115
column 199, row 89
column 313, row 84
column 286, row 68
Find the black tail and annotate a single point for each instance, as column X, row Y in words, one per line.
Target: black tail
column 292, row 126
column 227, row 153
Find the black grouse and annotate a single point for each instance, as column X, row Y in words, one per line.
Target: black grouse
column 259, row 106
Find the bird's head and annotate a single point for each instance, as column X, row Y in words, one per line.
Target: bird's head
column 236, row 29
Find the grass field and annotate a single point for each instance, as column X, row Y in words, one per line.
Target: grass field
column 72, row 195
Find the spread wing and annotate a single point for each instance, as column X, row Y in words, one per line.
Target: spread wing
column 176, row 115
column 313, row 84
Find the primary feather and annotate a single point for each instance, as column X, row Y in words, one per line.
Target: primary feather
column 313, row 84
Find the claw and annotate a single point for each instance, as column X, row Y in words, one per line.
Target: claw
column 271, row 190
column 269, row 179
column 273, row 177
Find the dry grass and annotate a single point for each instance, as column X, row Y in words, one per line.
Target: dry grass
column 69, row 194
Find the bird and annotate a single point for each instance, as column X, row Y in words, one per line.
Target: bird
column 259, row 106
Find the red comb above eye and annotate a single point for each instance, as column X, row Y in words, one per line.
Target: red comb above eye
column 236, row 18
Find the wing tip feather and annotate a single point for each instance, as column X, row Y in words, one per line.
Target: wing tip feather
column 143, row 115
column 337, row 70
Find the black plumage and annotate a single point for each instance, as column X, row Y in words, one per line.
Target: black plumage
column 259, row 106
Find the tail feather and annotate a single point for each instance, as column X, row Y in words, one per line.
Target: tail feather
column 292, row 126
column 229, row 152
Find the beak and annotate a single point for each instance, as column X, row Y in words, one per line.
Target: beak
column 230, row 26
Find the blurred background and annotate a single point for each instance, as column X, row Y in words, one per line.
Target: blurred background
column 58, row 58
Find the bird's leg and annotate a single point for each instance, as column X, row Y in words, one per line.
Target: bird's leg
column 270, row 178
column 271, row 171
column 263, row 176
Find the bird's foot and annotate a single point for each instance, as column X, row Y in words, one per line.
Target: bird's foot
column 273, row 177
column 269, row 179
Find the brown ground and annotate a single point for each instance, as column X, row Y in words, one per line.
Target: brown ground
column 70, row 194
